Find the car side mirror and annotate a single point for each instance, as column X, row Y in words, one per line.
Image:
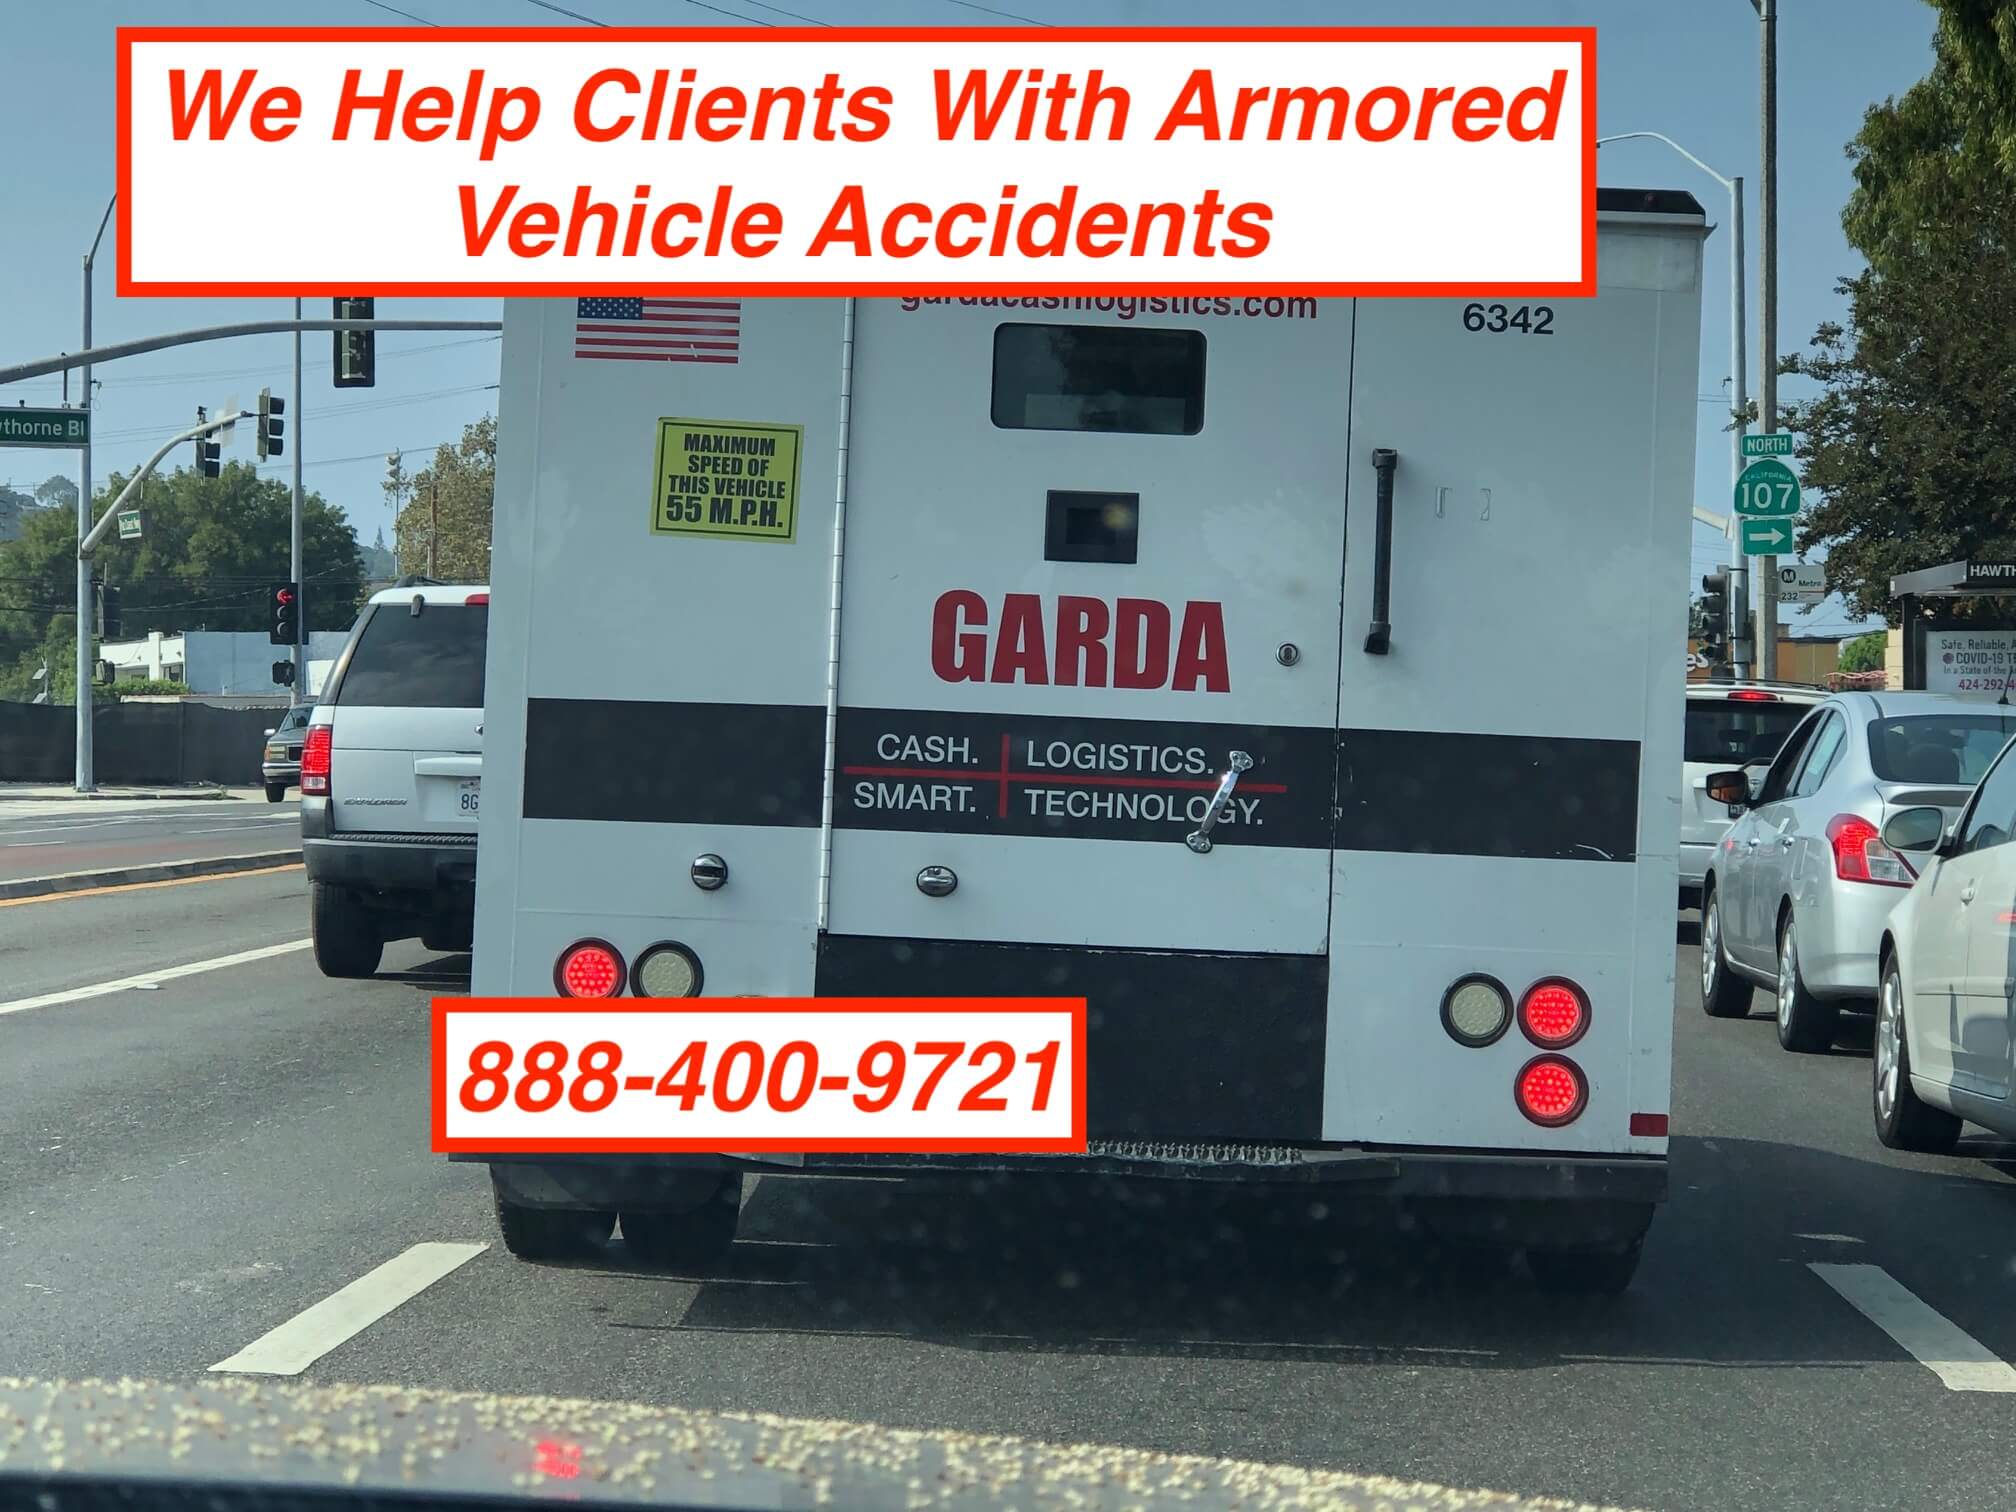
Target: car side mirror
column 1732, row 788
column 274, row 731
column 1915, row 829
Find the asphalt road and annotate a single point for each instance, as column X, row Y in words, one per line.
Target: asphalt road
column 45, row 839
column 184, row 1168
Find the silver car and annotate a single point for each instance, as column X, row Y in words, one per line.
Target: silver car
column 1797, row 892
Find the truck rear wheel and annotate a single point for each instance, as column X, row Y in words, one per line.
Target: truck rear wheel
column 552, row 1233
column 276, row 792
column 1602, row 1273
column 347, row 939
column 690, row 1238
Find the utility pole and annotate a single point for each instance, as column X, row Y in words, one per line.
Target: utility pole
column 1742, row 649
column 85, row 782
column 1767, row 567
column 300, row 690
column 433, row 524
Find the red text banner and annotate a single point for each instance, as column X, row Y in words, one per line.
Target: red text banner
column 1337, row 161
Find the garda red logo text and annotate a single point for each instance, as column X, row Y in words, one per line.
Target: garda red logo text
column 1081, row 642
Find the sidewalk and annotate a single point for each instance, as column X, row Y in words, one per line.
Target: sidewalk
column 55, row 792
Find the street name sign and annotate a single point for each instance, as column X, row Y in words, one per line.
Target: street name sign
column 1768, row 489
column 129, row 524
column 1775, row 444
column 1766, row 537
column 21, row 426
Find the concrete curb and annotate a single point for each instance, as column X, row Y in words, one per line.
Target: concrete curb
column 158, row 871
column 195, row 795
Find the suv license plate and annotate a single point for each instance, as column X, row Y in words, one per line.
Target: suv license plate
column 471, row 795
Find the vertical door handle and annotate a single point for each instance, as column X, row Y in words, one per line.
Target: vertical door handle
column 1379, row 638
column 1199, row 839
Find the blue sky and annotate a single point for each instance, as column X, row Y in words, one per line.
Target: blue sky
column 1687, row 69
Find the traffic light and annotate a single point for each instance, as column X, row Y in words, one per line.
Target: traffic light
column 209, row 458
column 356, row 356
column 271, row 425
column 284, row 602
column 108, row 611
column 1715, row 616
column 283, row 673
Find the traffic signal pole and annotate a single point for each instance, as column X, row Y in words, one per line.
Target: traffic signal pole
column 1767, row 368
column 300, row 690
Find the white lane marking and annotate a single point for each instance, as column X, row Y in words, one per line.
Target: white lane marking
column 152, row 978
column 1830, row 1238
column 219, row 829
column 342, row 1315
column 1942, row 1347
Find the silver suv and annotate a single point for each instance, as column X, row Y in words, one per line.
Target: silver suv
column 1729, row 724
column 391, row 779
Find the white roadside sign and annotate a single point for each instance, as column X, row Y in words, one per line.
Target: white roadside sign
column 1801, row 583
column 1969, row 661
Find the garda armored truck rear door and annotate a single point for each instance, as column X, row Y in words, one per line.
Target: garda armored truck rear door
column 1092, row 565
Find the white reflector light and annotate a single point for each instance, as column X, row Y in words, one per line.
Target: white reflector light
column 1476, row 1010
column 667, row 971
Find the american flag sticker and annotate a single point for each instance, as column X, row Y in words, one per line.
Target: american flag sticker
column 658, row 330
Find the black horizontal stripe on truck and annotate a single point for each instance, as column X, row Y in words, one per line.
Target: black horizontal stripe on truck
column 1447, row 793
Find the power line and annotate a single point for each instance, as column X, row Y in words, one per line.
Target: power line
column 562, row 10
column 398, row 12
column 783, row 12
column 1025, row 20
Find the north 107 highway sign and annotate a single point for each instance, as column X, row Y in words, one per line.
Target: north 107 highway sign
column 1766, row 537
column 1768, row 489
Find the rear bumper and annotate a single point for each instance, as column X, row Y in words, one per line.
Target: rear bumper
column 398, row 869
column 1694, row 859
column 1369, row 1172
column 1839, row 931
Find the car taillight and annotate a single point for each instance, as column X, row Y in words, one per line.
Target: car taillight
column 1551, row 1090
column 1554, row 1013
column 477, row 600
column 589, row 969
column 1755, row 695
column 315, row 752
column 1861, row 856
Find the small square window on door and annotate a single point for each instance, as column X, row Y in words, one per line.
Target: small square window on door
column 1091, row 527
column 1127, row 380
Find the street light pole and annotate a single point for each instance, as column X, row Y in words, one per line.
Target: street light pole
column 1767, row 186
column 84, row 780
column 1739, row 393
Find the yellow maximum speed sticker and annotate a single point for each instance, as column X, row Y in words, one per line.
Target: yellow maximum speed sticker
column 732, row 479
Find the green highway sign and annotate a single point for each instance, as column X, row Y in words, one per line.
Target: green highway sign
column 1776, row 444
column 1768, row 489
column 129, row 524
column 1766, row 537
column 21, row 426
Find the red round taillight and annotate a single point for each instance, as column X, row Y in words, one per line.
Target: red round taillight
column 1551, row 1090
column 1554, row 1013
column 591, row 969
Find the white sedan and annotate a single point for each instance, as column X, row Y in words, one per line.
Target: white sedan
column 1948, row 972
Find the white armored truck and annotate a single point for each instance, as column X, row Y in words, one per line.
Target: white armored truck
column 1296, row 680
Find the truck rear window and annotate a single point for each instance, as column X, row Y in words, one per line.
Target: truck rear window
column 1098, row 378
column 429, row 660
column 1734, row 732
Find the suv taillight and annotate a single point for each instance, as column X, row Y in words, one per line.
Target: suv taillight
column 315, row 761
column 1861, row 856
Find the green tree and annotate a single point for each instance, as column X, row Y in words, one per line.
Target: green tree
column 211, row 547
column 1924, row 157
column 443, row 511
column 1910, row 447
column 1864, row 653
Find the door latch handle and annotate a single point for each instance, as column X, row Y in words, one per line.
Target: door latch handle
column 1785, row 842
column 1751, row 843
column 1199, row 839
column 1967, row 893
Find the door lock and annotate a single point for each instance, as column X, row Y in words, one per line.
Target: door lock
column 1199, row 839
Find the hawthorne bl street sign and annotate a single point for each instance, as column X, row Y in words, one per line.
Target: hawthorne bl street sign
column 22, row 426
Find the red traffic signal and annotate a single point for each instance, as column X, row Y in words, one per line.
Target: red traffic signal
column 284, row 604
